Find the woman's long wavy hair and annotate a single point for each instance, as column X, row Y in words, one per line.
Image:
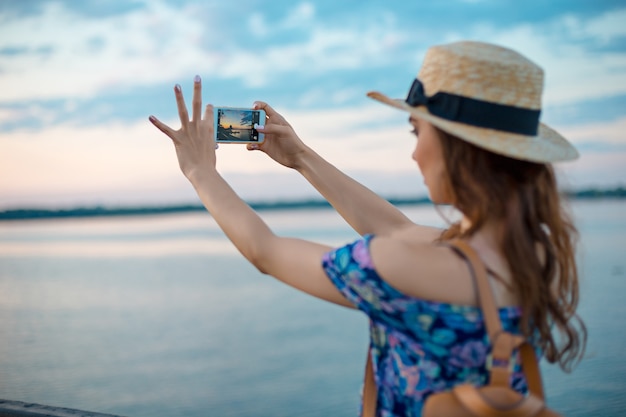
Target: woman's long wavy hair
column 524, row 197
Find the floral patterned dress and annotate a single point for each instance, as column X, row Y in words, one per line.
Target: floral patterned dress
column 417, row 347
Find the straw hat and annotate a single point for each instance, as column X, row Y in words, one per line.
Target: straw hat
column 487, row 95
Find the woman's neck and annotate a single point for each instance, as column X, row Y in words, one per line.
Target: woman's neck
column 487, row 242
column 487, row 236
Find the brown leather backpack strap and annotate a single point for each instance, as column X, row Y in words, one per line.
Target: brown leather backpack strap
column 532, row 373
column 485, row 295
column 369, row 389
column 503, row 343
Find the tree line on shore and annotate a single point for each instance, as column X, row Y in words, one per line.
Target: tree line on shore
column 98, row 211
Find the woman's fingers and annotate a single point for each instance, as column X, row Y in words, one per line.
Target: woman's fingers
column 182, row 108
column 269, row 111
column 200, row 125
column 196, row 103
column 274, row 129
column 208, row 121
column 163, row 127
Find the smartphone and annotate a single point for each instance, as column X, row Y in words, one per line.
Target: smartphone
column 236, row 125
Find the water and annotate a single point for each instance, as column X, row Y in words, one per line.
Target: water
column 160, row 316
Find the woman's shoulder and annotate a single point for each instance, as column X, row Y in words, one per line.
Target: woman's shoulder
column 400, row 258
column 425, row 269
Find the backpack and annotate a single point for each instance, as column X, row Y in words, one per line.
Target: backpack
column 497, row 398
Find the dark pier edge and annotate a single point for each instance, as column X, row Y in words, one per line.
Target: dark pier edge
column 22, row 409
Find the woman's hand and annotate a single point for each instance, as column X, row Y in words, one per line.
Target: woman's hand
column 281, row 142
column 194, row 141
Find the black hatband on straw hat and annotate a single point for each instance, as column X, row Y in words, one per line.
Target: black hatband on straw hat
column 475, row 112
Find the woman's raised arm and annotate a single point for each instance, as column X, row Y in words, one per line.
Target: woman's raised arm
column 293, row 261
column 363, row 209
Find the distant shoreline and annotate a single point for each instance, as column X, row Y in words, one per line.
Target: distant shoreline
column 101, row 211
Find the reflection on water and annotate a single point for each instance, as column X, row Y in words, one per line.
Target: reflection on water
column 159, row 316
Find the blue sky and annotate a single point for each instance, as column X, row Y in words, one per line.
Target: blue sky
column 78, row 80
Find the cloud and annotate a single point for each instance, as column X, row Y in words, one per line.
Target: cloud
column 598, row 137
column 603, row 29
column 91, row 55
column 61, row 54
column 570, row 50
column 302, row 14
column 161, row 43
column 303, row 46
column 257, row 25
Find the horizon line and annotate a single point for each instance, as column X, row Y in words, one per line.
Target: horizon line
column 33, row 213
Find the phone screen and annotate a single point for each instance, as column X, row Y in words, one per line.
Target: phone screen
column 237, row 125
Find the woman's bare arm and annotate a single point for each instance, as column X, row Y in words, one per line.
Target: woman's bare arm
column 363, row 209
column 293, row 261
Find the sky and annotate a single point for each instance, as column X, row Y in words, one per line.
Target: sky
column 78, row 81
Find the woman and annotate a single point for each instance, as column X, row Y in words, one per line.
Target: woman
column 475, row 109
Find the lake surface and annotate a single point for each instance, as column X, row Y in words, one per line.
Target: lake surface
column 160, row 316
